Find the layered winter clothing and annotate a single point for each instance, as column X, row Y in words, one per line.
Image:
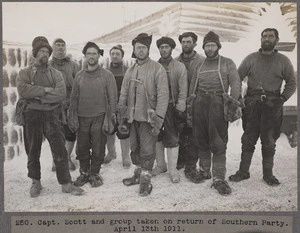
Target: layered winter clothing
column 43, row 118
column 145, row 87
column 94, row 91
column 209, row 125
column 262, row 116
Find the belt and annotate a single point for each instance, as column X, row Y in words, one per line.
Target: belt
column 262, row 94
column 201, row 92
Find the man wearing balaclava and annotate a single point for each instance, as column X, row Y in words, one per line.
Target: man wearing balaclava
column 44, row 90
column 145, row 96
column 62, row 62
column 210, row 129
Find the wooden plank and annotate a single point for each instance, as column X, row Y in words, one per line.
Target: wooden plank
column 201, row 18
column 239, row 7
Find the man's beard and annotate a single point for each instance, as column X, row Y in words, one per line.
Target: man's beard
column 43, row 60
column 187, row 50
column 211, row 55
column 267, row 47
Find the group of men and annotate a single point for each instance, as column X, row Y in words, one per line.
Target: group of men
column 172, row 103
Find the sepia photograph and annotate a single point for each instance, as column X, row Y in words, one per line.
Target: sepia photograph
column 150, row 107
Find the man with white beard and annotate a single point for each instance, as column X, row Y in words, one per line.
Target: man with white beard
column 44, row 90
column 262, row 116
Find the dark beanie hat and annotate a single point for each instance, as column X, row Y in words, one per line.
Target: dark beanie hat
column 211, row 37
column 92, row 45
column 166, row 40
column 119, row 47
column 38, row 43
column 187, row 34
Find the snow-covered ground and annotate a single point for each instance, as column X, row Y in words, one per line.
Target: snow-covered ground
column 249, row 195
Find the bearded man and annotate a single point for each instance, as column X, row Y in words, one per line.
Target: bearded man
column 262, row 116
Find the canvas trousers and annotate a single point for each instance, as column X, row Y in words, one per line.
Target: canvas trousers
column 48, row 124
column 91, row 143
column 142, row 144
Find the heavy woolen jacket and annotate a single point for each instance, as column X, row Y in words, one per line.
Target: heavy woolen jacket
column 31, row 87
column 177, row 77
column 145, row 86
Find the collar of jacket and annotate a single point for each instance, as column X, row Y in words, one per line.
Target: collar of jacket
column 188, row 59
column 165, row 61
column 91, row 71
column 143, row 61
column 116, row 65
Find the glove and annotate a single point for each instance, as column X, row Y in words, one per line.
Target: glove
column 122, row 114
column 155, row 120
column 179, row 120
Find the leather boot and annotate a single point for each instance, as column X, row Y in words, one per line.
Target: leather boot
column 135, row 179
column 243, row 172
column 70, row 188
column 161, row 165
column 268, row 177
column 172, row 154
column 36, row 188
column 145, row 183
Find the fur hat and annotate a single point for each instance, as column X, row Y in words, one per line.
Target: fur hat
column 38, row 43
column 142, row 38
column 187, row 34
column 211, row 37
column 166, row 40
column 119, row 47
column 92, row 45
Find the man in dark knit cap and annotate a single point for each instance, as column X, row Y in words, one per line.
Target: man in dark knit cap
column 145, row 96
column 191, row 59
column 44, row 90
column 210, row 129
column 118, row 69
column 262, row 116
column 62, row 62
column 94, row 92
column 175, row 116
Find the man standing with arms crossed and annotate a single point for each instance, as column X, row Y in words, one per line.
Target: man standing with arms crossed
column 175, row 116
column 62, row 62
column 44, row 90
column 262, row 116
column 192, row 60
column 145, row 95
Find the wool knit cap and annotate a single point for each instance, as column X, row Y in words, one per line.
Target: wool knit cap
column 56, row 54
column 92, row 45
column 38, row 43
column 119, row 47
column 187, row 34
column 166, row 40
column 211, row 37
